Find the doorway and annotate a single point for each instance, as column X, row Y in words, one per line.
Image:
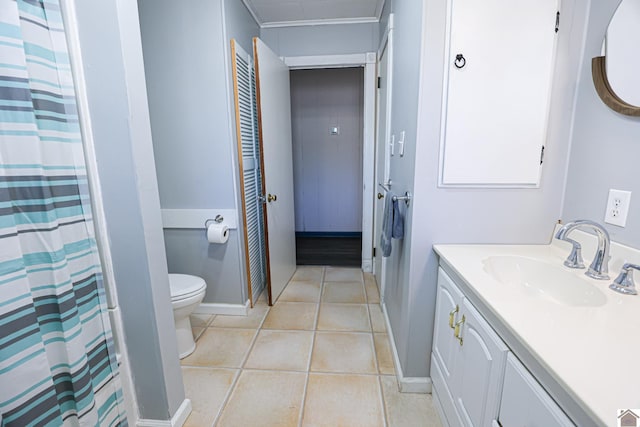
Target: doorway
column 327, row 118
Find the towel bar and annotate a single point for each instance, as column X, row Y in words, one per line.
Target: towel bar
column 406, row 198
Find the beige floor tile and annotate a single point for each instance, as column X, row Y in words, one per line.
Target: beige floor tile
column 207, row 389
column 342, row 274
column 346, row 352
column 343, row 400
column 378, row 324
column 407, row 409
column 371, row 287
column 197, row 332
column 308, row 274
column 221, row 348
column 301, row 292
column 264, row 398
column 263, row 299
column 383, row 354
column 344, row 292
column 252, row 320
column 200, row 320
column 281, row 350
column 291, row 315
column 344, row 317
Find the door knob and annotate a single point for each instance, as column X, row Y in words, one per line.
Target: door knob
column 272, row 198
column 380, row 196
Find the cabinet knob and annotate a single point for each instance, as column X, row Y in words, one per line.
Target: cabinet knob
column 452, row 315
column 456, row 331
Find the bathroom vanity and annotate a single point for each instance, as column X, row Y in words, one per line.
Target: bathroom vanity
column 520, row 339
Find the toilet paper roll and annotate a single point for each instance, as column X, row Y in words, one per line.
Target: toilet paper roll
column 217, row 233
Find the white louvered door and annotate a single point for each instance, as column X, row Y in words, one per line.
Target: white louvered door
column 250, row 176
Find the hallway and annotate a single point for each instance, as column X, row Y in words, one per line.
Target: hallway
column 319, row 357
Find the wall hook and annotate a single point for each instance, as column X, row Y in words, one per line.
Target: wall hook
column 460, row 61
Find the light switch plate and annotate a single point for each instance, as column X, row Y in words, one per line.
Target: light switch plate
column 617, row 207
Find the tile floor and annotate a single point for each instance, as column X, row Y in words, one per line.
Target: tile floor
column 319, row 357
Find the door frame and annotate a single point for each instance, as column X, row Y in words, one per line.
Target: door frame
column 368, row 62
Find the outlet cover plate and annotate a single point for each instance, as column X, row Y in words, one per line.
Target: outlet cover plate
column 617, row 207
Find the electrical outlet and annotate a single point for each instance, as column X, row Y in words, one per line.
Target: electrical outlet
column 617, row 207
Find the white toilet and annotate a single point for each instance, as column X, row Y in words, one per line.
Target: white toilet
column 187, row 293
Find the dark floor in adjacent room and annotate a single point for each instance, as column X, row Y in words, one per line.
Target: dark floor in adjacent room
column 334, row 251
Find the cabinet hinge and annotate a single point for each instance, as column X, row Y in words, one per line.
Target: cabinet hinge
column 557, row 21
column 378, row 82
column 373, row 252
column 542, row 155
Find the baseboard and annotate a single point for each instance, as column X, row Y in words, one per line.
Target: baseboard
column 229, row 309
column 178, row 419
column 438, row 405
column 406, row 384
column 329, row 234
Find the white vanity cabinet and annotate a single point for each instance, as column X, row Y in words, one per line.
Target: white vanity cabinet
column 468, row 359
column 524, row 401
column 477, row 381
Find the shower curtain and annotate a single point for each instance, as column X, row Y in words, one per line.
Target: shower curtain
column 57, row 364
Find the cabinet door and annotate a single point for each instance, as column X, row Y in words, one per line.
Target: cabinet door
column 479, row 370
column 448, row 307
column 496, row 101
column 525, row 402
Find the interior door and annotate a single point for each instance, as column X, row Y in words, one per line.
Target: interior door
column 250, row 170
column 382, row 157
column 274, row 123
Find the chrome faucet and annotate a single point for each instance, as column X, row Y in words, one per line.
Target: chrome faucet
column 624, row 282
column 599, row 267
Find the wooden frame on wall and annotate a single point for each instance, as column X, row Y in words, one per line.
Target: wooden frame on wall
column 606, row 92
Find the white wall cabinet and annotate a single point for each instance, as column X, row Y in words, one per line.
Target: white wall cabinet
column 477, row 381
column 471, row 359
column 498, row 75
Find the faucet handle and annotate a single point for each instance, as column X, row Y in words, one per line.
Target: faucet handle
column 574, row 260
column 624, row 282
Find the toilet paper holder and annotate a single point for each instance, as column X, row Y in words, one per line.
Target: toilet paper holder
column 218, row 219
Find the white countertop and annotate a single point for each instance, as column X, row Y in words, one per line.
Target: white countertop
column 592, row 352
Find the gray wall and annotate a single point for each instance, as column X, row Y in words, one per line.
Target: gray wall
column 120, row 125
column 189, row 252
column 327, row 169
column 322, row 39
column 605, row 145
column 442, row 215
column 407, row 39
column 186, row 51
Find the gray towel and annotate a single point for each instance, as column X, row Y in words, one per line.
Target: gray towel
column 387, row 225
column 397, row 231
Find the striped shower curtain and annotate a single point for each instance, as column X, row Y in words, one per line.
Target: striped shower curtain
column 57, row 364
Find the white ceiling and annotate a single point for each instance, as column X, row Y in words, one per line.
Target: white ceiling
column 282, row 13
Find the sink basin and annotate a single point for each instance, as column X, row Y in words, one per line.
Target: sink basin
column 543, row 280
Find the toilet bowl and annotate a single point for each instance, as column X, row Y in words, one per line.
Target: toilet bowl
column 187, row 293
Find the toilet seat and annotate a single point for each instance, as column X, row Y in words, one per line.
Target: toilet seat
column 184, row 286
